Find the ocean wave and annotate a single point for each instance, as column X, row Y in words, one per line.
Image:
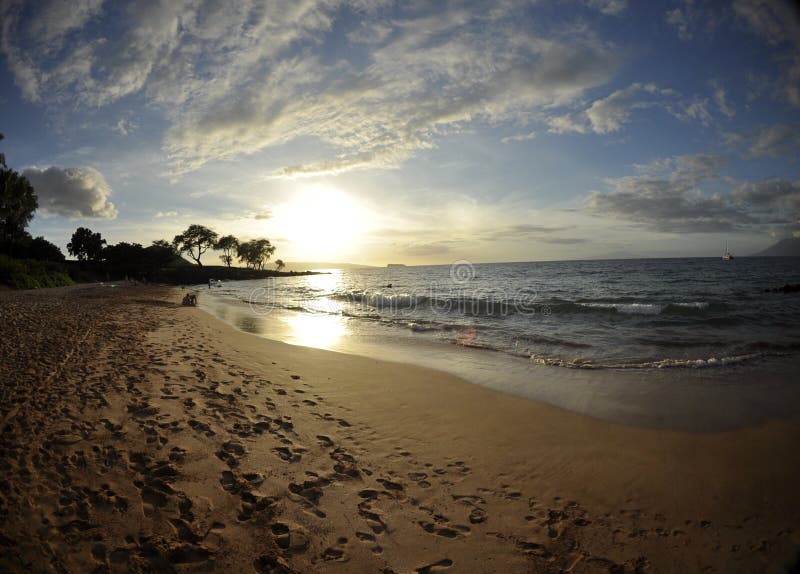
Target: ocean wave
column 487, row 306
column 646, row 364
column 400, row 301
column 634, row 308
column 535, row 339
column 628, row 308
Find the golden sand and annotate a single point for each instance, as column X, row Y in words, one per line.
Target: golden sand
column 139, row 435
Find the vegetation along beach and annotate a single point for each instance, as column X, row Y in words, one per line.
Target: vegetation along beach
column 371, row 286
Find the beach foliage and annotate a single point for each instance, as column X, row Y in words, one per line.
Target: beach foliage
column 86, row 245
column 279, row 264
column 227, row 244
column 31, row 274
column 41, row 249
column 255, row 253
column 196, row 240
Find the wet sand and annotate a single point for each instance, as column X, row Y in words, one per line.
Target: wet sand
column 138, row 435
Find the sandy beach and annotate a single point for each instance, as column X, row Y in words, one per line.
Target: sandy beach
column 142, row 436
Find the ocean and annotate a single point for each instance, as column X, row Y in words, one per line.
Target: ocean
column 505, row 324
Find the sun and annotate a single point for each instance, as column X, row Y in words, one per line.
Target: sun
column 322, row 222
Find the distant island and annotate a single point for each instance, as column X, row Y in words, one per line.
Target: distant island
column 789, row 247
column 395, row 265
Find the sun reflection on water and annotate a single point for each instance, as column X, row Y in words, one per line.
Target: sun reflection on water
column 318, row 331
column 319, row 287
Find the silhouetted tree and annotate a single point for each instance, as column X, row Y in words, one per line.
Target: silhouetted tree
column 279, row 264
column 17, row 204
column 227, row 244
column 161, row 253
column 255, row 253
column 163, row 243
column 41, row 249
column 124, row 254
column 196, row 240
column 86, row 245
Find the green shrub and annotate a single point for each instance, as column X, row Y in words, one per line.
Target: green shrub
column 30, row 274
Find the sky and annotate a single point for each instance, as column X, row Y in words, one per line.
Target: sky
column 376, row 132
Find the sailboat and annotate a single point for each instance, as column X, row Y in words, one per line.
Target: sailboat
column 727, row 256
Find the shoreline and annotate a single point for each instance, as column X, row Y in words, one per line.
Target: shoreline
column 686, row 399
column 234, row 451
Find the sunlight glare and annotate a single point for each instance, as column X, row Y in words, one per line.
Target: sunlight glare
column 318, row 331
column 322, row 223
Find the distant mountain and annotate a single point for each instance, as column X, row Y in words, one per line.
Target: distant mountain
column 789, row 247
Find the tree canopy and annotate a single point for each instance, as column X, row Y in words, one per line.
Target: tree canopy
column 86, row 245
column 279, row 264
column 17, row 204
column 255, row 253
column 41, row 249
column 196, row 240
column 227, row 244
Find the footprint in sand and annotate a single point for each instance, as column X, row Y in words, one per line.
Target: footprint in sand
column 370, row 539
column 287, row 454
column 290, row 537
column 373, row 519
column 337, row 551
column 230, row 453
column 439, row 566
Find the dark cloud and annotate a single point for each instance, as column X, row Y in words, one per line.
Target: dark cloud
column 778, row 23
column 72, row 192
column 775, row 141
column 668, row 196
column 563, row 240
column 519, row 231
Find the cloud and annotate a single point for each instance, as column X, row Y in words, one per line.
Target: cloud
column 610, row 114
column 691, row 15
column 72, row 192
column 696, row 110
column 519, row 231
column 568, row 123
column 777, row 198
column 775, row 141
column 266, row 214
column 125, row 127
column 778, row 23
column 32, row 33
column 679, row 18
column 162, row 214
column 427, row 249
column 720, row 98
column 519, row 137
column 563, row 240
column 235, row 81
column 667, row 196
column 610, row 7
